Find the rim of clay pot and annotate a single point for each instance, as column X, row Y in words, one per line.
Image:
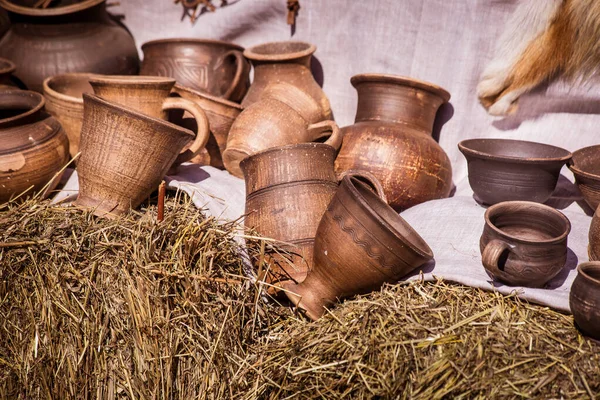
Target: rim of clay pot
column 34, row 101
column 133, row 81
column 193, row 41
column 7, row 66
column 179, row 88
column 589, row 265
column 577, row 170
column 424, row 250
column 402, row 80
column 46, row 12
column 136, row 114
column 519, row 203
column 464, row 147
column 254, row 53
column 49, row 90
column 309, row 145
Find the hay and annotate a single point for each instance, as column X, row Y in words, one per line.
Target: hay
column 134, row 308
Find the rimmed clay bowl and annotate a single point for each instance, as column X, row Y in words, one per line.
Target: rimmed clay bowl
column 512, row 170
column 585, row 165
column 584, row 299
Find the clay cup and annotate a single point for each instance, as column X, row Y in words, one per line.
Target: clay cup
column 585, row 165
column 584, row 299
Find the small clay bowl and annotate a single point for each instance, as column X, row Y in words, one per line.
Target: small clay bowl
column 584, row 299
column 506, row 170
column 585, row 165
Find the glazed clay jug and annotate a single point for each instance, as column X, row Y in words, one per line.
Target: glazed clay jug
column 391, row 138
column 79, row 37
column 284, row 62
column 33, row 146
column 360, row 243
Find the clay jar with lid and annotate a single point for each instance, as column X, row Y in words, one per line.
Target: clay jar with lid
column 391, row 138
column 284, row 62
column 83, row 34
column 33, row 146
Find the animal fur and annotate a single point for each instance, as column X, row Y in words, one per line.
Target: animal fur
column 544, row 40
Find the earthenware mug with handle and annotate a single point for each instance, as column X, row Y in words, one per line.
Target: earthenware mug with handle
column 150, row 96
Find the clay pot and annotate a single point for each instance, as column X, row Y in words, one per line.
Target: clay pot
column 34, row 146
column 84, row 35
column 221, row 114
column 361, row 243
column 149, row 95
column 285, row 115
column 584, row 299
column 506, row 170
column 284, row 62
column 64, row 101
column 391, row 138
column 524, row 243
column 585, row 166
column 7, row 67
column 210, row 66
column 594, row 238
column 124, row 155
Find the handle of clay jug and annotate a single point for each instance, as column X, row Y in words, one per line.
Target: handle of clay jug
column 203, row 134
column 368, row 178
column 242, row 69
column 491, row 255
column 316, row 131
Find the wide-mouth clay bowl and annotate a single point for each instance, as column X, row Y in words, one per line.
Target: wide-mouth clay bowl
column 512, row 170
column 584, row 299
column 585, row 165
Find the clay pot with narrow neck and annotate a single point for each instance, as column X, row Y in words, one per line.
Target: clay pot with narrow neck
column 33, row 146
column 284, row 62
column 360, row 243
column 83, row 34
column 213, row 67
column 584, row 299
column 391, row 138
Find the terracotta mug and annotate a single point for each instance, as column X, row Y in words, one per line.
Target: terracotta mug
column 124, row 155
column 361, row 243
column 150, row 96
column 524, row 243
column 584, row 298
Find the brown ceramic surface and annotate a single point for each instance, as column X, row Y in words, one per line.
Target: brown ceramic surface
column 391, row 138
column 124, row 155
column 360, row 243
column 505, row 170
column 584, row 299
column 7, row 67
column 150, row 96
column 210, row 66
column 524, row 243
column 285, row 62
column 585, row 165
column 64, row 101
column 594, row 237
column 86, row 38
column 33, row 146
column 221, row 114
column 285, row 116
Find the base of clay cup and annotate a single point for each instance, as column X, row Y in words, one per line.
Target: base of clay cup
column 99, row 208
column 311, row 304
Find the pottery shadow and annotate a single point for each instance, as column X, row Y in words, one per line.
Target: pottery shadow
column 537, row 103
column 444, row 114
column 317, row 70
column 193, row 173
column 565, row 194
column 425, row 269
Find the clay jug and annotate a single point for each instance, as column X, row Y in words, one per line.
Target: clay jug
column 285, row 115
column 33, row 146
column 391, row 138
column 594, row 237
column 79, row 37
column 124, row 155
column 360, row 243
column 284, row 62
column 211, row 66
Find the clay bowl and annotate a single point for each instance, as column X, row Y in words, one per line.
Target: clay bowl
column 584, row 299
column 64, row 101
column 524, row 243
column 506, row 170
column 585, row 165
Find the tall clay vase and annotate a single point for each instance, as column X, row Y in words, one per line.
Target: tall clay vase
column 33, row 146
column 361, row 243
column 124, row 156
column 79, row 37
column 284, row 62
column 584, row 299
column 391, row 138
column 213, row 67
